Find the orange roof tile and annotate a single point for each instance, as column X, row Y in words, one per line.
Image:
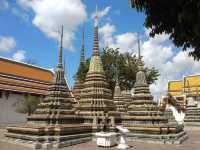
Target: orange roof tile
column 24, row 78
column 14, row 68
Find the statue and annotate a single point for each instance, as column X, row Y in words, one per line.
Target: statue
column 123, row 144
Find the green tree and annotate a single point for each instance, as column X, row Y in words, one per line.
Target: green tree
column 123, row 65
column 178, row 18
column 27, row 105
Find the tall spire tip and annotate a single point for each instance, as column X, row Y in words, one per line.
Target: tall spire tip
column 96, row 16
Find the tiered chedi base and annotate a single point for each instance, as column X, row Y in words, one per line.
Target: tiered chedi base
column 192, row 116
column 146, row 122
column 49, row 136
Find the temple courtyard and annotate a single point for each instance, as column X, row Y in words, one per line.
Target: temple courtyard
column 192, row 143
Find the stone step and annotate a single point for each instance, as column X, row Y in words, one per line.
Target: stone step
column 164, row 139
column 191, row 120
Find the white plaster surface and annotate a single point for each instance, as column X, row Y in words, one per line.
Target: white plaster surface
column 105, row 139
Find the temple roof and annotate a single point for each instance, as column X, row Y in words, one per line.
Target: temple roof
column 18, row 69
column 175, row 88
column 24, row 78
column 189, row 85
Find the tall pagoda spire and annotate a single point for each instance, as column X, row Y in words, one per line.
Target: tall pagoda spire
column 59, row 77
column 140, row 62
column 139, row 51
column 58, row 101
column 96, row 37
column 78, row 83
column 61, row 47
column 96, row 97
column 140, row 75
column 82, row 56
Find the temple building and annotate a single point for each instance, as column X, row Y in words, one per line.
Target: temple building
column 78, row 83
column 188, row 86
column 186, row 92
column 18, row 80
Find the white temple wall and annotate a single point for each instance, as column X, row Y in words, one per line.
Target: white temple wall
column 8, row 114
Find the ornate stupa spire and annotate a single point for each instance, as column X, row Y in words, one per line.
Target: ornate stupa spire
column 96, row 63
column 78, row 83
column 59, row 77
column 61, row 47
column 58, row 102
column 140, row 76
column 140, row 62
column 82, row 55
column 96, row 37
column 96, row 97
column 139, row 52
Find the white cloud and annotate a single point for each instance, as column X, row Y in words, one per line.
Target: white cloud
column 4, row 5
column 49, row 15
column 20, row 14
column 20, row 55
column 106, row 31
column 102, row 12
column 7, row 43
column 126, row 41
column 157, row 52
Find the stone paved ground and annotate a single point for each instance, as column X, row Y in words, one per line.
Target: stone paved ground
column 193, row 143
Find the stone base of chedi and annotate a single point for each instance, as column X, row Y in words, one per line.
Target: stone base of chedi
column 50, row 136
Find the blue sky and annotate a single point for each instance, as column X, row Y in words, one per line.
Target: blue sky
column 44, row 50
column 28, row 31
